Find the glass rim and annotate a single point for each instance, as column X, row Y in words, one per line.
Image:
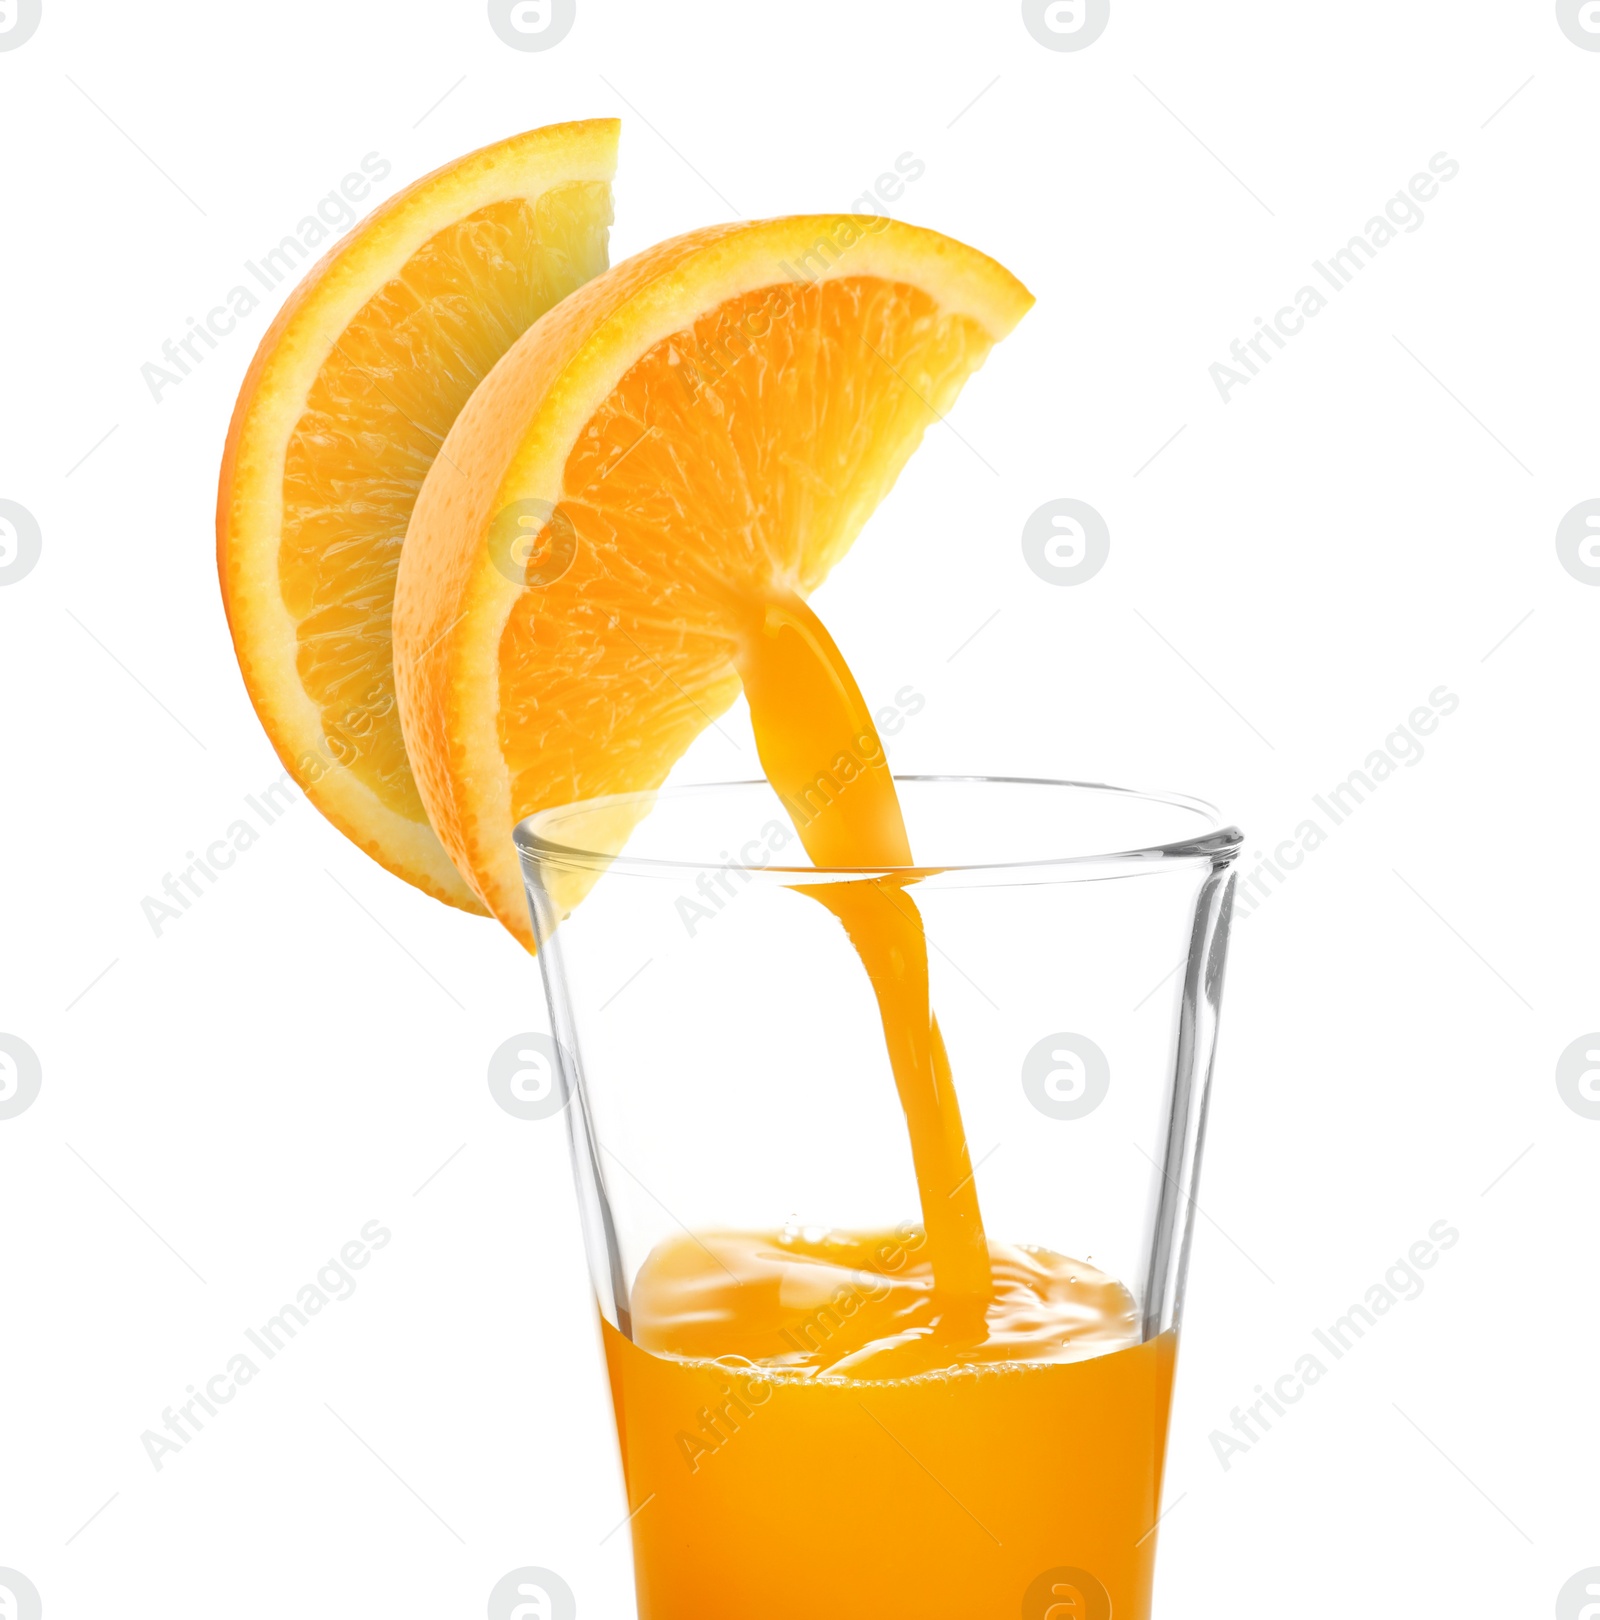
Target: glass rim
column 1220, row 842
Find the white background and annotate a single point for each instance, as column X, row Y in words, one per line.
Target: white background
column 1289, row 577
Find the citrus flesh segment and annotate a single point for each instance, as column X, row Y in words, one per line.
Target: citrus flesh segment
column 341, row 416
column 709, row 426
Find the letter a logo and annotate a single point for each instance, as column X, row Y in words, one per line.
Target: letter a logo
column 1071, row 1606
column 1067, row 1593
column 532, row 1593
column 537, row 1609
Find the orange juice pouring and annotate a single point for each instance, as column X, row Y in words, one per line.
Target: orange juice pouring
column 502, row 533
column 820, row 1408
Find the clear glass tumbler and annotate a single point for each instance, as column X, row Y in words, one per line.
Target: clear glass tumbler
column 751, row 1204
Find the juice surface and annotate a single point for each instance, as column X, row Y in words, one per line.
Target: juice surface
column 918, row 1423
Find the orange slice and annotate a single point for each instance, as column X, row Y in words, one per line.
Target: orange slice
column 703, row 427
column 342, row 412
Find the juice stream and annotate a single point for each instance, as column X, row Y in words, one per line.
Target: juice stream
column 808, row 715
column 874, row 1425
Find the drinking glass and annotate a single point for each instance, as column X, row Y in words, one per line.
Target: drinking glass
column 725, row 1070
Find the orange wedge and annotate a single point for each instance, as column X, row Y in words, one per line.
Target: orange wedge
column 342, row 412
column 703, row 427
